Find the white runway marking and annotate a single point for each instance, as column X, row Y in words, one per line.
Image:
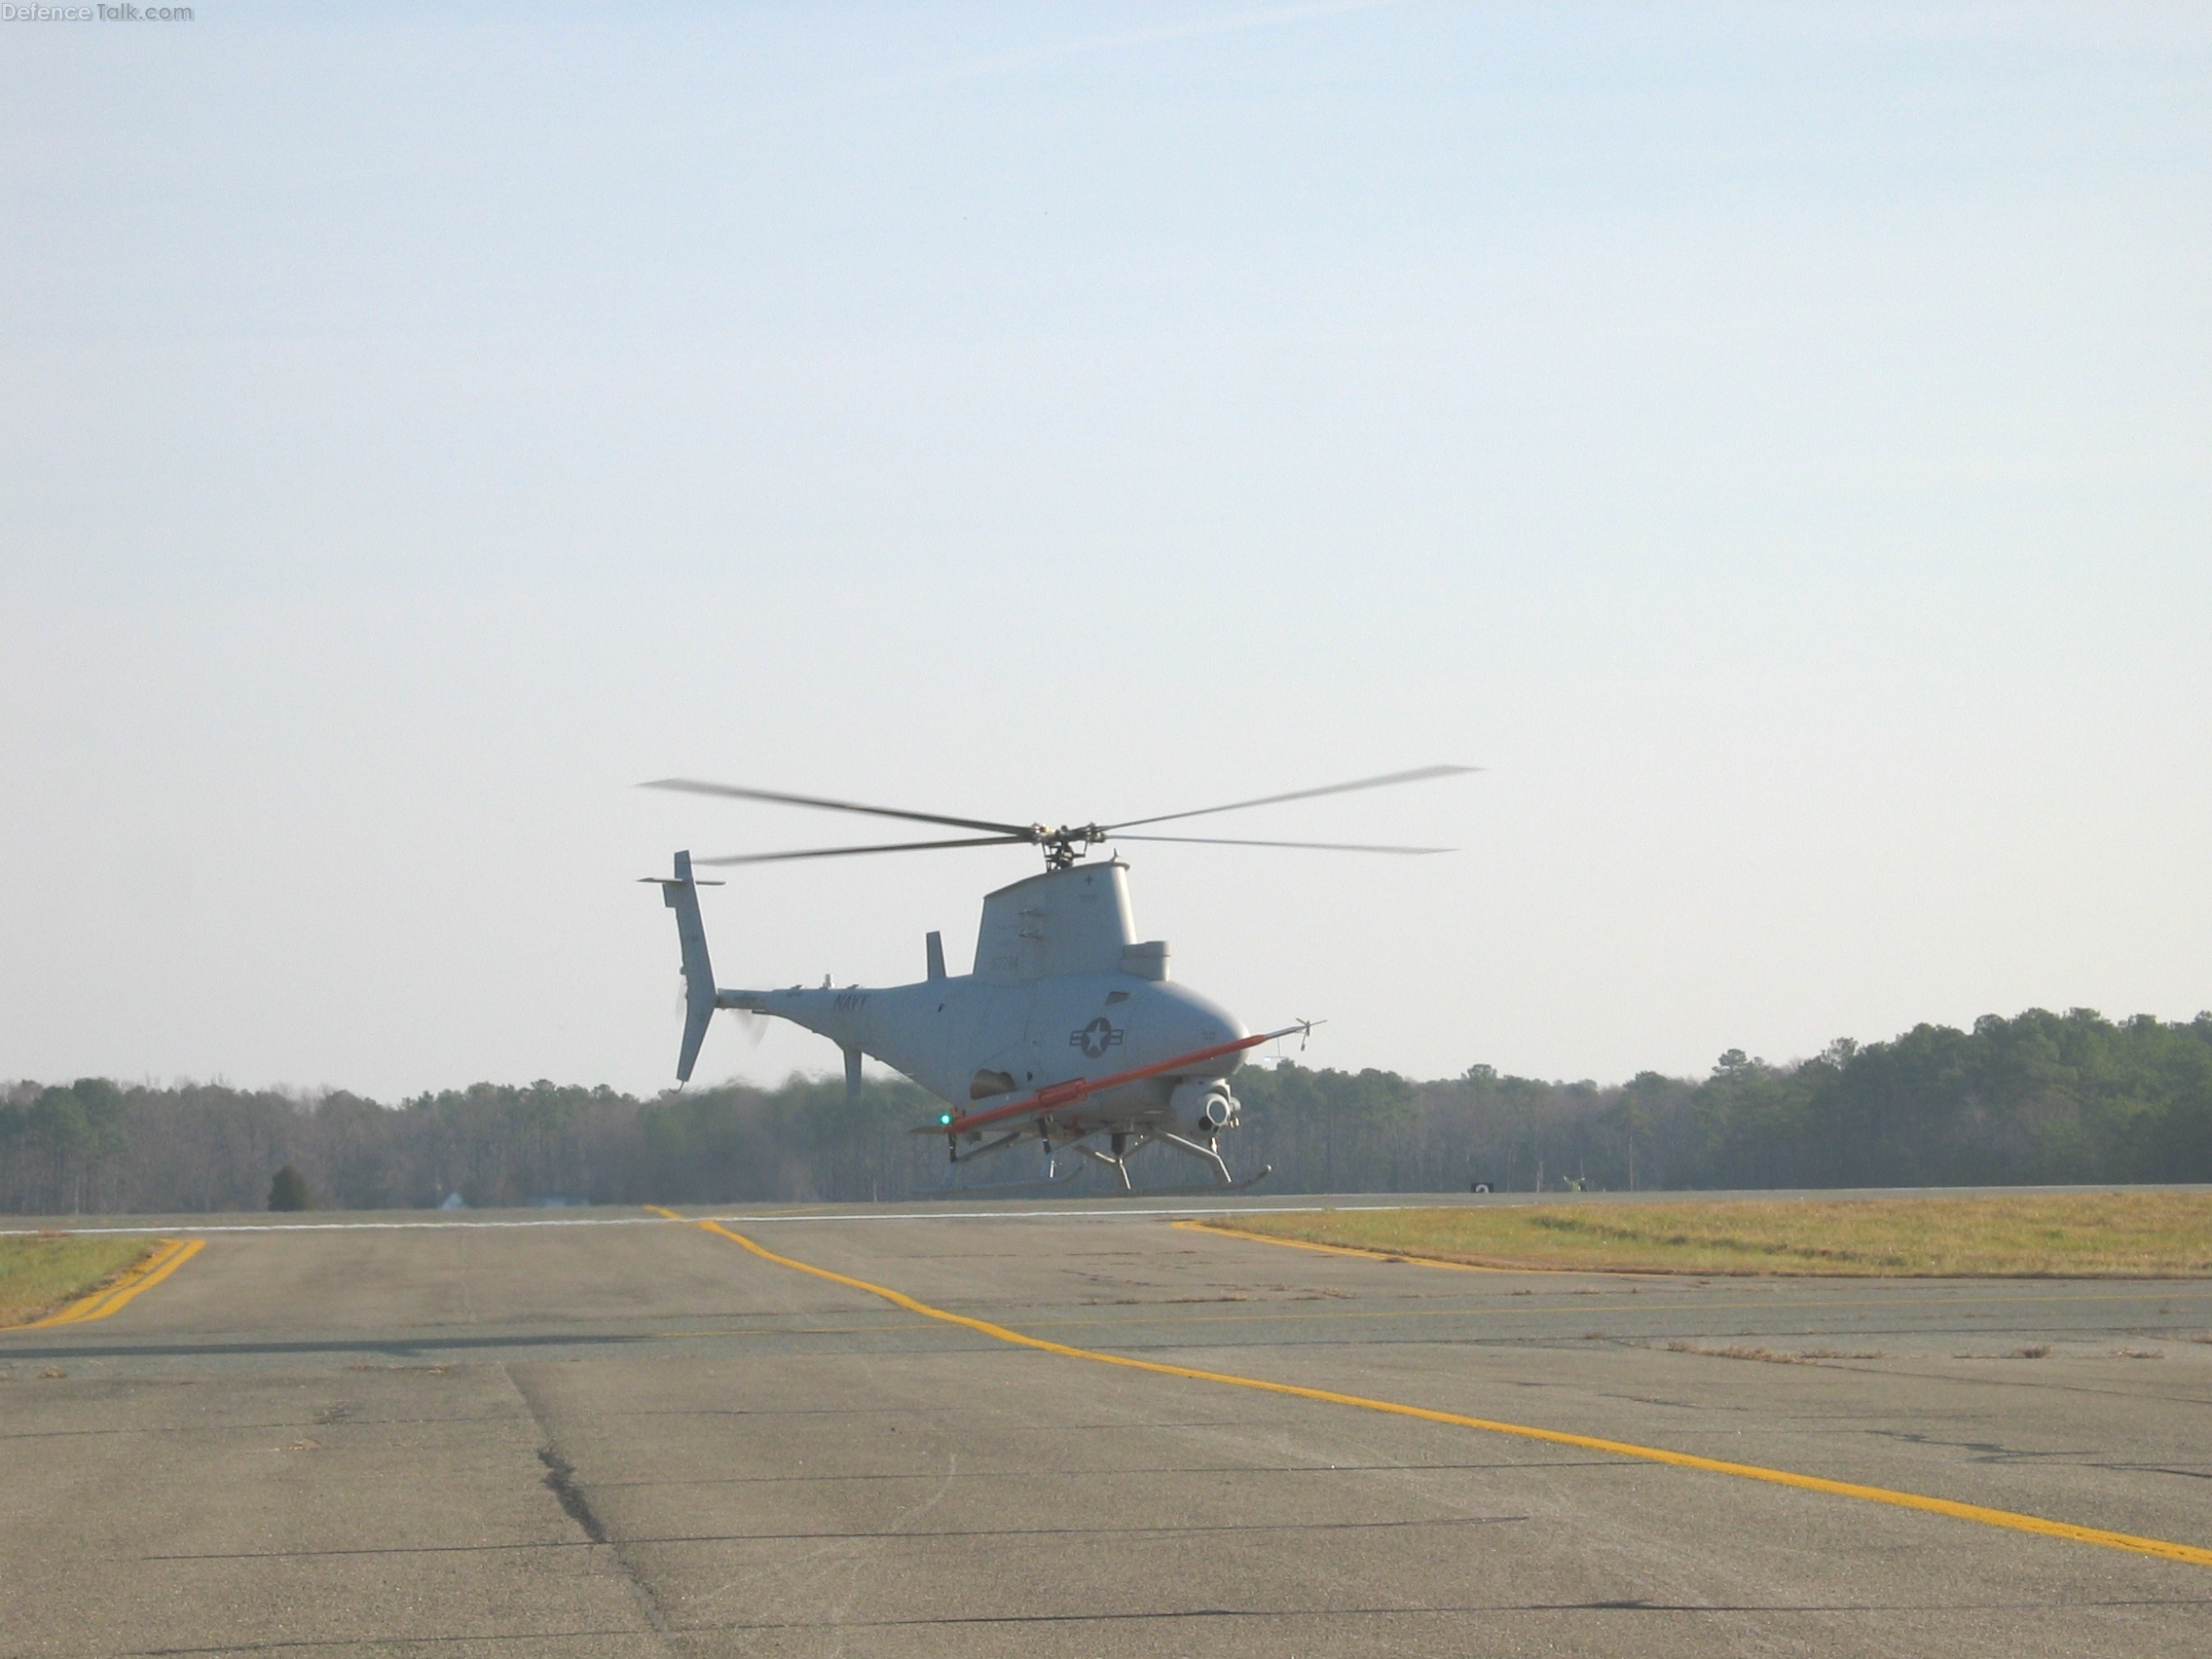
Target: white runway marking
column 171, row 1225
column 1110, row 1209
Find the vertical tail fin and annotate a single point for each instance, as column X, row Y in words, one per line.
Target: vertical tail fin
column 681, row 894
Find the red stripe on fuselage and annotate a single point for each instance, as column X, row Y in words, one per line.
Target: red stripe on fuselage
column 1054, row 1095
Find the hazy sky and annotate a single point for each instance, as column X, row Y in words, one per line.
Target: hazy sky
column 1773, row 441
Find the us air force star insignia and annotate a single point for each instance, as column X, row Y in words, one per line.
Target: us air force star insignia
column 1095, row 1038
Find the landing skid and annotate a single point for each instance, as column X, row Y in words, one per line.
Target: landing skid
column 1249, row 1181
column 1034, row 1189
column 1205, row 1152
column 1125, row 1145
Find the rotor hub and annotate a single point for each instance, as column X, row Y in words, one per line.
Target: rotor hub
column 1064, row 846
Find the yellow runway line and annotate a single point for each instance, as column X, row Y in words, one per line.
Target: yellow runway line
column 2165, row 1549
column 1355, row 1250
column 170, row 1255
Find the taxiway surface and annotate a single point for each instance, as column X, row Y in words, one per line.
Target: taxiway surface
column 637, row 1438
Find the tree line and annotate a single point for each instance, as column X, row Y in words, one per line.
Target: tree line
column 2040, row 1097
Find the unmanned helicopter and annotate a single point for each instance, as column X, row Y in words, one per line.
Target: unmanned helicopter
column 1068, row 1032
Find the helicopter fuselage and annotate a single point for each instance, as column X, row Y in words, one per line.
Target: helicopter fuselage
column 967, row 1040
column 1062, row 990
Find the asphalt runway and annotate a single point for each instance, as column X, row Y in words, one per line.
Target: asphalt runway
column 386, row 1434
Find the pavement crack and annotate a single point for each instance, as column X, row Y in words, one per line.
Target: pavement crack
column 561, row 1478
column 575, row 1502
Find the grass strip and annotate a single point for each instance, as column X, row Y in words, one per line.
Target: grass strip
column 2124, row 1235
column 50, row 1271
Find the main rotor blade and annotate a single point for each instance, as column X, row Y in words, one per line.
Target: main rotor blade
column 1414, row 777
column 848, row 852
column 1319, row 846
column 692, row 785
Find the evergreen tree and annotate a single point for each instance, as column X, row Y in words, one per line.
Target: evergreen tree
column 289, row 1189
